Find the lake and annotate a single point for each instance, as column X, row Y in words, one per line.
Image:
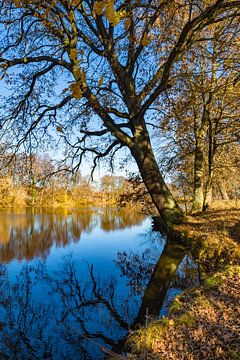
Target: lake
column 74, row 282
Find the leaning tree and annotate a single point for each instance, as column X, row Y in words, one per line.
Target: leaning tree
column 93, row 70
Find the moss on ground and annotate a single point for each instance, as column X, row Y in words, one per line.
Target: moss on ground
column 203, row 323
column 218, row 278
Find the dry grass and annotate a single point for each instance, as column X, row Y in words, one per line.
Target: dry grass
column 216, row 221
column 225, row 205
column 215, row 236
column 203, row 324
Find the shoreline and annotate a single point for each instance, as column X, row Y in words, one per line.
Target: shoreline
column 214, row 241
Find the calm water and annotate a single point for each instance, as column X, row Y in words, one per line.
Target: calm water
column 73, row 281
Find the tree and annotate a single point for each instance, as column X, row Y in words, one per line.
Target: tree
column 119, row 57
column 203, row 114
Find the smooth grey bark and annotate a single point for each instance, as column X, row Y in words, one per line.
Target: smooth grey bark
column 212, row 127
column 211, row 158
column 208, row 193
column 198, row 182
column 198, row 195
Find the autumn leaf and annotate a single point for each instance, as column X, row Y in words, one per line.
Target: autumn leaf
column 76, row 2
column 76, row 91
column 60, row 129
column 100, row 82
column 99, row 7
column 145, row 40
column 112, row 16
column 18, row 3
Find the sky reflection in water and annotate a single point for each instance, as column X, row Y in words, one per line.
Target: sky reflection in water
column 72, row 280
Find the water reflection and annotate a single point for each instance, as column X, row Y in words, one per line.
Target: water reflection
column 80, row 318
column 26, row 235
column 77, row 311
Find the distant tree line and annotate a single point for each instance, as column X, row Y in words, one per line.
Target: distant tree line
column 35, row 181
column 101, row 75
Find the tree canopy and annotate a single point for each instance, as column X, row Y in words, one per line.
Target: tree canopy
column 93, row 70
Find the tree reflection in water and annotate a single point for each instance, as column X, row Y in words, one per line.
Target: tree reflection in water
column 75, row 312
column 63, row 314
column 23, row 326
column 27, row 235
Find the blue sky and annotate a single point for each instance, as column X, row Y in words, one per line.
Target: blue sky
column 86, row 166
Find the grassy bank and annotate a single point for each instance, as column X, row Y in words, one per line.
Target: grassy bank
column 203, row 322
column 214, row 237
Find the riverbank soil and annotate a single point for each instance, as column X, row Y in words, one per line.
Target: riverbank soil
column 203, row 322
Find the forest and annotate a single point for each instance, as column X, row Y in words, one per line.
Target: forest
column 120, row 77
column 153, row 83
column 34, row 181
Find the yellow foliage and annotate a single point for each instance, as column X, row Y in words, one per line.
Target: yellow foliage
column 123, row 14
column 100, row 82
column 145, row 40
column 107, row 8
column 112, row 16
column 76, row 2
column 59, row 129
column 76, row 91
column 17, row 3
column 99, row 7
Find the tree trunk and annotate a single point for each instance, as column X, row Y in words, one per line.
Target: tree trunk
column 223, row 191
column 154, row 182
column 198, row 196
column 208, row 193
column 211, row 158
